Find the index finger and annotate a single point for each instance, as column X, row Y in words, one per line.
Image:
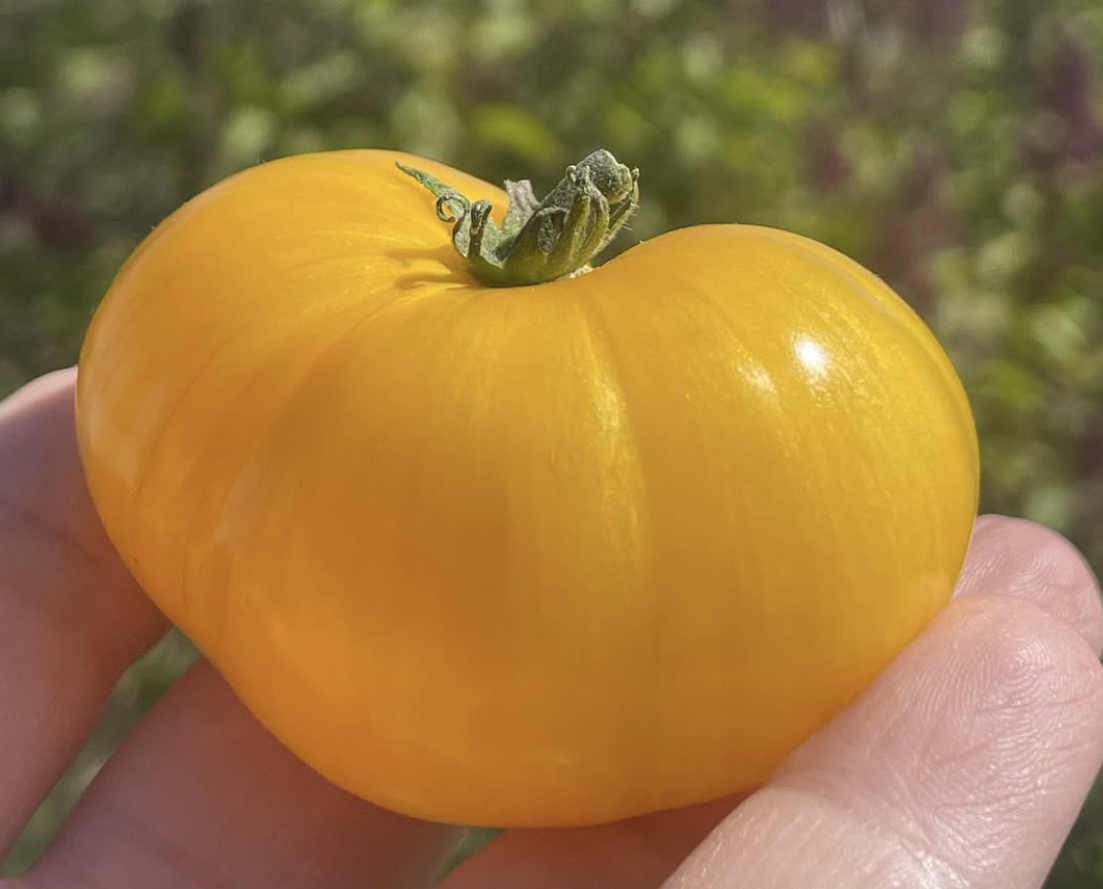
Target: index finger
column 71, row 617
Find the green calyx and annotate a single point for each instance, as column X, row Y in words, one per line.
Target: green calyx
column 540, row 241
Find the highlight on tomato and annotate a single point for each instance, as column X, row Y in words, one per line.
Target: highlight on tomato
column 485, row 534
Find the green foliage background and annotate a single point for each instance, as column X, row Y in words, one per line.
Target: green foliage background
column 953, row 146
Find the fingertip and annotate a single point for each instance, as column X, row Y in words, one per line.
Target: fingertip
column 39, row 391
column 1025, row 560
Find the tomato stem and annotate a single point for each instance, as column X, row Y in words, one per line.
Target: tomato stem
column 538, row 240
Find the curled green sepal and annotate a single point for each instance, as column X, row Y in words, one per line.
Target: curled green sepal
column 540, row 240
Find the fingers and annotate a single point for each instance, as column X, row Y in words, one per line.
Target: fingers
column 202, row 796
column 201, row 785
column 964, row 764
column 71, row 618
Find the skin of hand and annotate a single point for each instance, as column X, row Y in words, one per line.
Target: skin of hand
column 963, row 765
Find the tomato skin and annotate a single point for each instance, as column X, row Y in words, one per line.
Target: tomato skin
column 547, row 555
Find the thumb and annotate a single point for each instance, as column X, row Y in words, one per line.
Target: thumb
column 965, row 764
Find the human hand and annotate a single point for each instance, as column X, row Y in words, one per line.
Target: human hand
column 963, row 765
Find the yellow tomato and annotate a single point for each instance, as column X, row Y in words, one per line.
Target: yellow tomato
column 540, row 555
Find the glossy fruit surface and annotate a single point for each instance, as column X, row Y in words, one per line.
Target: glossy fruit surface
column 541, row 555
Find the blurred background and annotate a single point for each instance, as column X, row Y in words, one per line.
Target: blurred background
column 953, row 146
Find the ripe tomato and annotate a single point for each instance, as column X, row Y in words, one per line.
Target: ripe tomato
column 536, row 555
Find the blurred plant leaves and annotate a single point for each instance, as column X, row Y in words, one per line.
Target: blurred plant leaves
column 954, row 147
